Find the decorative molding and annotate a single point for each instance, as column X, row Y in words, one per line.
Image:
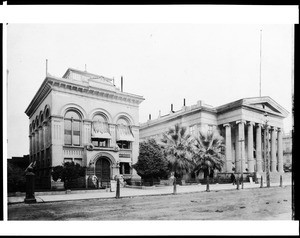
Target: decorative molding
column 240, row 121
column 227, row 124
column 39, row 97
column 56, row 117
column 259, row 125
column 251, row 123
column 90, row 90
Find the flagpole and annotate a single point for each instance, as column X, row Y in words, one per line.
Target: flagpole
column 260, row 51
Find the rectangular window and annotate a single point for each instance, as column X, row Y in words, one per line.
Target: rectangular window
column 95, row 143
column 78, row 161
column 68, row 132
column 123, row 144
column 124, row 168
column 76, row 133
column 68, row 160
column 192, row 130
column 100, row 142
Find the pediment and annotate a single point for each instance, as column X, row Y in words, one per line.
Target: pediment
column 266, row 104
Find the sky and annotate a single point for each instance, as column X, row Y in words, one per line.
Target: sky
column 164, row 63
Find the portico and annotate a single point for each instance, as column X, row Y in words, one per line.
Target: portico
column 244, row 136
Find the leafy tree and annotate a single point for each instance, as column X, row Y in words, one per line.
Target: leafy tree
column 208, row 153
column 151, row 161
column 16, row 180
column 68, row 172
column 177, row 147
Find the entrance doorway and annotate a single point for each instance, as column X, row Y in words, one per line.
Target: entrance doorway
column 102, row 171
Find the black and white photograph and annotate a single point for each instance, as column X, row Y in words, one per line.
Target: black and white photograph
column 146, row 121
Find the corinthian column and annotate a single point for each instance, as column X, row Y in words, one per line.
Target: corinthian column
column 241, row 148
column 250, row 148
column 258, row 149
column 280, row 151
column 228, row 147
column 273, row 150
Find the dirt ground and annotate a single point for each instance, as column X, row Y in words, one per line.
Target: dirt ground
column 273, row 203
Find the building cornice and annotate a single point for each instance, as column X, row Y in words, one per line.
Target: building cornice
column 176, row 115
column 40, row 95
column 82, row 88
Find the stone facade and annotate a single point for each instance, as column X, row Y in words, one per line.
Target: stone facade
column 85, row 118
column 287, row 148
column 244, row 126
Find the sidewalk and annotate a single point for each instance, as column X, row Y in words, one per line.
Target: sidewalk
column 132, row 192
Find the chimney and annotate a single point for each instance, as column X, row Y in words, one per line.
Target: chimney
column 46, row 67
column 184, row 102
column 149, row 116
column 172, row 107
column 159, row 114
column 121, row 83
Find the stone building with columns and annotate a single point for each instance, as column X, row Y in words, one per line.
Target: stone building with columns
column 85, row 118
column 242, row 124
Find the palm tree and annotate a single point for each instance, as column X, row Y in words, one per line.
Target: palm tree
column 208, row 153
column 177, row 148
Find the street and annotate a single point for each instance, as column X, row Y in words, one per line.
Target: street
column 248, row 204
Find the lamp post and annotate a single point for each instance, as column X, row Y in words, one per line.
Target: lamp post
column 266, row 150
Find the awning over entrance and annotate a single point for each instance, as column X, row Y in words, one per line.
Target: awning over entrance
column 124, row 133
column 100, row 130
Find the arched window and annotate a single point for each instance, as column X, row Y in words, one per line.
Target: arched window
column 124, row 133
column 41, row 118
column 72, row 124
column 37, row 122
column 100, row 131
column 47, row 114
column 122, row 121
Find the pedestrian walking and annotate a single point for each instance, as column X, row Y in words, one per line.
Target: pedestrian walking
column 232, row 177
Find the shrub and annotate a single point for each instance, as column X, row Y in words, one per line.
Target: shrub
column 68, row 172
column 151, row 162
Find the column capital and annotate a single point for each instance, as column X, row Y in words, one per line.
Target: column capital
column 259, row 125
column 226, row 124
column 266, row 126
column 279, row 129
column 240, row 121
column 250, row 123
column 273, row 128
